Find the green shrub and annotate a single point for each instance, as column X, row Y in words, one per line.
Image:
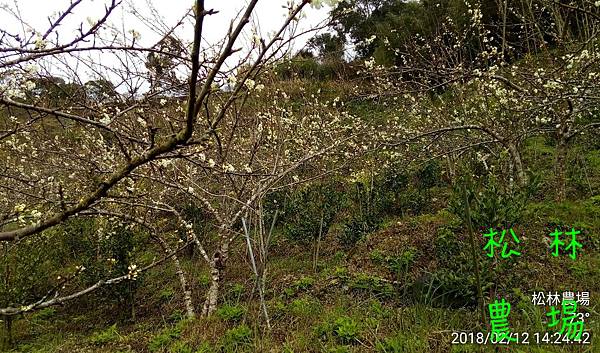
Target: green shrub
column 378, row 310
column 204, row 280
column 43, row 314
column 166, row 294
column 304, row 283
column 231, row 313
column 402, row 263
column 492, row 204
column 346, row 329
column 176, row 316
column 377, row 256
column 372, row 284
column 304, row 209
column 304, row 307
column 237, row 339
column 356, row 229
column 205, row 347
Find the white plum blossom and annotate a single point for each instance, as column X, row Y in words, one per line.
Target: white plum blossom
column 318, row 4
column 250, row 84
column 133, row 272
column 105, row 119
column 232, row 80
column 227, row 167
column 370, row 40
column 135, row 34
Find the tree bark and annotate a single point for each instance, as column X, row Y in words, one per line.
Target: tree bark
column 515, row 155
column 561, row 180
column 217, row 268
column 187, row 292
column 8, row 338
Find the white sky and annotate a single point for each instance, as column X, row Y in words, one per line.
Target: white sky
column 269, row 14
column 267, row 17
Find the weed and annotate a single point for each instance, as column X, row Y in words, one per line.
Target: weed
column 304, row 307
column 231, row 313
column 166, row 294
column 401, row 343
column 164, row 339
column 237, row 339
column 180, row 347
column 107, row 336
column 346, row 329
column 304, row 283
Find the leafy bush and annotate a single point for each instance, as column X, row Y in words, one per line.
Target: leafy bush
column 453, row 282
column 304, row 283
column 304, row 307
column 237, row 339
column 343, row 329
column 346, row 329
column 356, row 229
column 43, row 314
column 304, row 209
column 166, row 294
column 236, row 291
column 429, row 175
column 231, row 313
column 372, row 284
column 205, row 347
column 307, row 68
column 300, row 285
column 491, row 204
column 401, row 263
column 176, row 316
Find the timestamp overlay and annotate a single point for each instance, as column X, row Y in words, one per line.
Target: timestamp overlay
column 520, row 338
column 564, row 318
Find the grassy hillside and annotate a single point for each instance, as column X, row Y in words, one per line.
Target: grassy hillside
column 394, row 273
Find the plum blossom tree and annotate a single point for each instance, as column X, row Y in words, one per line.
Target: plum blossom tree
column 139, row 149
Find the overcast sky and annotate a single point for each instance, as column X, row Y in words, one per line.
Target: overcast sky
column 269, row 14
column 267, row 17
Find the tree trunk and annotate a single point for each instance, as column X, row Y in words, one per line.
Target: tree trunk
column 8, row 338
column 187, row 292
column 217, row 268
column 515, row 155
column 561, row 180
